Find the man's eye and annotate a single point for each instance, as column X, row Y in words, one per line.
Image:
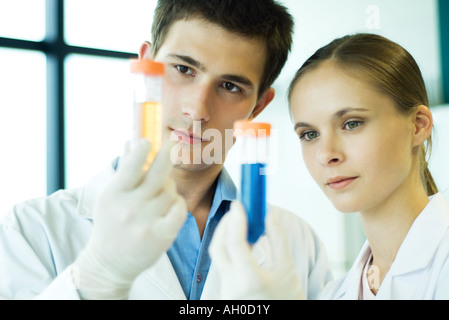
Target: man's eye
column 229, row 86
column 184, row 70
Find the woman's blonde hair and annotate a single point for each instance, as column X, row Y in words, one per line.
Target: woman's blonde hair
column 389, row 68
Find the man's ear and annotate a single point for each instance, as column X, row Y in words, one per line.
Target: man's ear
column 264, row 100
column 145, row 50
column 423, row 122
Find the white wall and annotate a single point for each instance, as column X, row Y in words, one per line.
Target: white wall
column 413, row 24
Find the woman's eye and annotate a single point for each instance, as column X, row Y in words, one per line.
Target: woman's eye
column 351, row 125
column 309, row 135
column 184, row 70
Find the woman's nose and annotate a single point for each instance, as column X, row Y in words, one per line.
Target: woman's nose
column 329, row 153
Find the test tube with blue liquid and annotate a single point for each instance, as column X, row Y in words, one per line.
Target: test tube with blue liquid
column 252, row 153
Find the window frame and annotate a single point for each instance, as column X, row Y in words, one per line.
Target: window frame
column 56, row 50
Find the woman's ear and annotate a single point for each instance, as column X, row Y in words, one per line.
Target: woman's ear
column 264, row 100
column 423, row 122
column 145, row 50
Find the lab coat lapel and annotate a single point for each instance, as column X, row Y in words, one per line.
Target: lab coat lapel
column 416, row 252
column 158, row 282
column 350, row 288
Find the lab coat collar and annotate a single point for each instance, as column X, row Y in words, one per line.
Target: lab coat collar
column 90, row 191
column 415, row 253
column 423, row 238
column 349, row 289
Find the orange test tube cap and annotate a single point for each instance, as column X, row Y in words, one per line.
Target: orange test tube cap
column 250, row 128
column 146, row 66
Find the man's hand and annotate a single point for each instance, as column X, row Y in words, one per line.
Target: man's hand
column 136, row 219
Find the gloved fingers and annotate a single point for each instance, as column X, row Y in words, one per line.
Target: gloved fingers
column 158, row 172
column 126, row 149
column 282, row 257
column 168, row 225
column 240, row 250
column 229, row 243
column 158, row 206
column 131, row 169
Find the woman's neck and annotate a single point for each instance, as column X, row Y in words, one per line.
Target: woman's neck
column 387, row 224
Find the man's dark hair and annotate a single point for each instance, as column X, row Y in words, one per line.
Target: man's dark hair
column 265, row 20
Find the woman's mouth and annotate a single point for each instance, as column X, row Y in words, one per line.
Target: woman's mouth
column 339, row 183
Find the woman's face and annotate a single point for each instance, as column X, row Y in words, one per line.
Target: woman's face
column 355, row 143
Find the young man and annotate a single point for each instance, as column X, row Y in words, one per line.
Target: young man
column 135, row 233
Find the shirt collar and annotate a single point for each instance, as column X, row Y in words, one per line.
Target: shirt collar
column 224, row 191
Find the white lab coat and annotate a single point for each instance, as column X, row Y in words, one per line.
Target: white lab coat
column 421, row 267
column 41, row 238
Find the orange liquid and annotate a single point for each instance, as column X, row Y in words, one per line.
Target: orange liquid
column 149, row 125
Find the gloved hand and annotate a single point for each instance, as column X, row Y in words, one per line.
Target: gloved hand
column 137, row 217
column 240, row 275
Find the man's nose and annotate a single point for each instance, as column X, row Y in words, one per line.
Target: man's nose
column 197, row 107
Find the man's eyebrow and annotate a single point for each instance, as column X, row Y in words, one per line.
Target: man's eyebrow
column 239, row 79
column 228, row 77
column 189, row 60
column 336, row 115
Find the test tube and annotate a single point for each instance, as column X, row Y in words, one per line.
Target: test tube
column 147, row 113
column 252, row 153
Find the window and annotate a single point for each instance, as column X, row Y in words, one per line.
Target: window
column 22, row 126
column 22, row 19
column 64, row 105
column 98, row 114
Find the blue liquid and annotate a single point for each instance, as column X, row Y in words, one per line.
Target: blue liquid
column 253, row 198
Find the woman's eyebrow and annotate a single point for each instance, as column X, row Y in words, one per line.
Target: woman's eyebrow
column 344, row 111
column 301, row 125
column 336, row 115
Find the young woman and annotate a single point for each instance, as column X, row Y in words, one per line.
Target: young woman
column 360, row 108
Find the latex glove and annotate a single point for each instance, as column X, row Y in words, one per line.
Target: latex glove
column 240, row 275
column 137, row 217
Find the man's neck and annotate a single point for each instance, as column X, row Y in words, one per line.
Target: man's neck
column 198, row 190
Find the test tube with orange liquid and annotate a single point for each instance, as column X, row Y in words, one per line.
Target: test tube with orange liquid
column 147, row 116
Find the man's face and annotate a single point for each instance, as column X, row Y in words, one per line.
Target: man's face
column 212, row 79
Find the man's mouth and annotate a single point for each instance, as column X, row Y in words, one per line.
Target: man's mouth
column 187, row 137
